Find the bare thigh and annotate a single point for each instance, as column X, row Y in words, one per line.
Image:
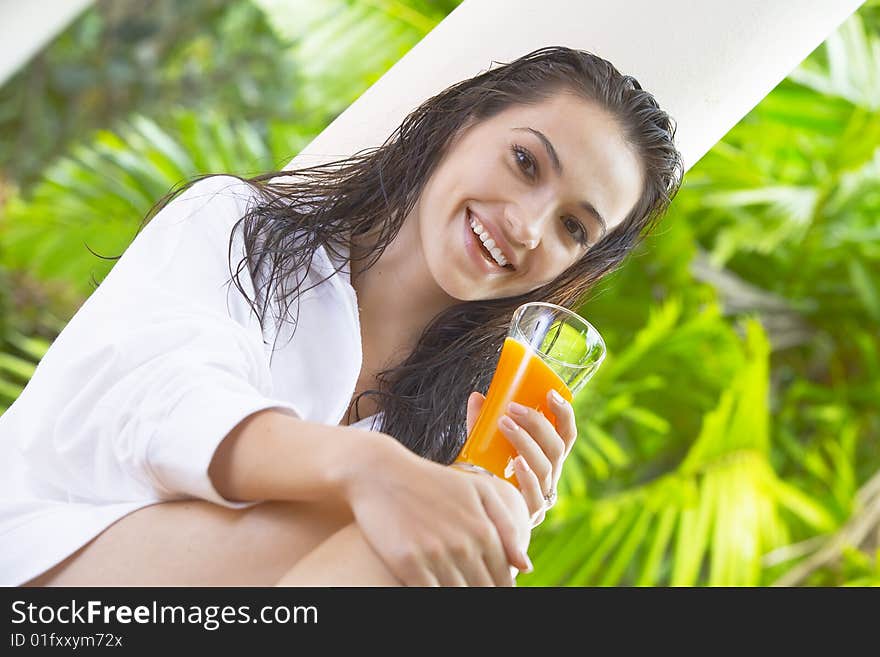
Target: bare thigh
column 198, row 543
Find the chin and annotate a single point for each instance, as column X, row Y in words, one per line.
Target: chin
column 460, row 293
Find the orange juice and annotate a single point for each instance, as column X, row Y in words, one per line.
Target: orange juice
column 521, row 376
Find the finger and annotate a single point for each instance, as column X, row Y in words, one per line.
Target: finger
column 530, row 487
column 529, row 449
column 538, row 519
column 447, row 573
column 541, row 429
column 496, row 561
column 415, row 574
column 511, row 543
column 494, row 554
column 475, row 571
column 509, row 576
column 566, row 422
column 474, row 405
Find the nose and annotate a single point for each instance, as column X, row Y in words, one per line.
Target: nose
column 527, row 225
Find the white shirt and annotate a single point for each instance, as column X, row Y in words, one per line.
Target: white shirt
column 159, row 364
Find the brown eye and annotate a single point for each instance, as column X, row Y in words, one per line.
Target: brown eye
column 524, row 160
column 576, row 229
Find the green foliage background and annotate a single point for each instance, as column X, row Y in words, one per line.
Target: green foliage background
column 732, row 436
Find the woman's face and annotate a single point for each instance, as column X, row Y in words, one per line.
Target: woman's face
column 543, row 182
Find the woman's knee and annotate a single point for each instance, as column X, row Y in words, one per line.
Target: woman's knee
column 345, row 559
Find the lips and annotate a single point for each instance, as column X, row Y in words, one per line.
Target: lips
column 497, row 238
column 481, row 258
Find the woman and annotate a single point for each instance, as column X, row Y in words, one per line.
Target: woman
column 156, row 445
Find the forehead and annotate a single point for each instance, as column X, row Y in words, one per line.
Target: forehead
column 598, row 163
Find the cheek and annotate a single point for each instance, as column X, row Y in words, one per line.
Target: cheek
column 554, row 259
column 552, row 263
column 433, row 218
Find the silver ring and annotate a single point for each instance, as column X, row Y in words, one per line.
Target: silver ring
column 550, row 499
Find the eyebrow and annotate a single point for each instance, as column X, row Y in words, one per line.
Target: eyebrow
column 557, row 165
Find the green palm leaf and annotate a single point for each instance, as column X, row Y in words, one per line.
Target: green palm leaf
column 723, row 503
column 97, row 196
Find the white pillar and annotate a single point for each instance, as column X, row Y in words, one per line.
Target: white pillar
column 27, row 25
column 708, row 62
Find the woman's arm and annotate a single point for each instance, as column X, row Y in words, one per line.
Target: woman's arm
column 274, row 455
column 429, row 523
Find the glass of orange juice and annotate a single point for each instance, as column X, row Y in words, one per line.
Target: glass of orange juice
column 547, row 347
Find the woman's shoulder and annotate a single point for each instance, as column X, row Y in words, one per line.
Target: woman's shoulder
column 219, row 188
column 200, row 218
column 228, row 184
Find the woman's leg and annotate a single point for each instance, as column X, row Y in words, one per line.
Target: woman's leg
column 198, row 543
column 344, row 559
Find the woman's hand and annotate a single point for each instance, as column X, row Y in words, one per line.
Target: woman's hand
column 542, row 449
column 435, row 526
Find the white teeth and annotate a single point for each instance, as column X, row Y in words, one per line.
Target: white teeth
column 488, row 242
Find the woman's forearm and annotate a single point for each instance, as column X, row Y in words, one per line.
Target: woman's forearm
column 274, row 455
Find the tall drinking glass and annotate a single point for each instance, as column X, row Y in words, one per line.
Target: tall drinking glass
column 547, row 347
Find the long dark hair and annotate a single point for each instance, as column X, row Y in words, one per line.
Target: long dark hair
column 334, row 205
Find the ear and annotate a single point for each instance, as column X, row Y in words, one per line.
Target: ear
column 474, row 405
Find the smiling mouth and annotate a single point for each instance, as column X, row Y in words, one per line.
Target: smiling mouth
column 486, row 245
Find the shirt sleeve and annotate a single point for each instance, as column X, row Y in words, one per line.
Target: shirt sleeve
column 162, row 361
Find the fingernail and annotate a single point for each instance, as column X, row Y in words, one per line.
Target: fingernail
column 517, row 409
column 525, row 557
column 522, row 463
column 507, row 423
column 557, row 397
